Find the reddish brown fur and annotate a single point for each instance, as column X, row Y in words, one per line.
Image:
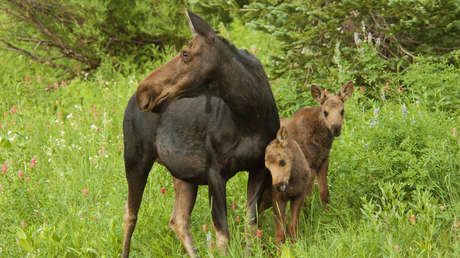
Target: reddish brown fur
column 291, row 173
column 314, row 132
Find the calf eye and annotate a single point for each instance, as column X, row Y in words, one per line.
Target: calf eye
column 184, row 53
column 342, row 112
column 325, row 113
column 282, row 163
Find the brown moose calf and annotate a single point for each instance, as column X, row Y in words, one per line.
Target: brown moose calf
column 314, row 129
column 290, row 176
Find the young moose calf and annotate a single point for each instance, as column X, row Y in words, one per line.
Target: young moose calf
column 290, row 175
column 314, row 129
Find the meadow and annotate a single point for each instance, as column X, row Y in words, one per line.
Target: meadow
column 394, row 175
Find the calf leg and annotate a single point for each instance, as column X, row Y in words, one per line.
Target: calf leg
column 185, row 196
column 296, row 207
column 136, row 174
column 279, row 208
column 322, row 183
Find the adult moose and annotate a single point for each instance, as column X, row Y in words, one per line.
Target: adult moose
column 213, row 115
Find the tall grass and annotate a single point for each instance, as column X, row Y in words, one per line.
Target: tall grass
column 394, row 174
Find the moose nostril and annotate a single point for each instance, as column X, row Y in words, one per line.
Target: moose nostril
column 281, row 187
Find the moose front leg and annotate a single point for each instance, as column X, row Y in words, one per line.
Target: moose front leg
column 322, row 183
column 185, row 196
column 296, row 208
column 218, row 201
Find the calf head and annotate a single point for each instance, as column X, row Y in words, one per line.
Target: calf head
column 278, row 159
column 332, row 106
column 192, row 68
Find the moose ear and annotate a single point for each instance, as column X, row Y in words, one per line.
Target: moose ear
column 282, row 136
column 346, row 91
column 198, row 26
column 318, row 94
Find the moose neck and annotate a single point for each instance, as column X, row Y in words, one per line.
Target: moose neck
column 243, row 85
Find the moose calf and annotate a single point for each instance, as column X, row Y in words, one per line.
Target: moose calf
column 290, row 174
column 314, row 129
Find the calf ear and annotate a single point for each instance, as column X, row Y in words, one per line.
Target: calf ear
column 346, row 91
column 318, row 94
column 198, row 26
column 282, row 136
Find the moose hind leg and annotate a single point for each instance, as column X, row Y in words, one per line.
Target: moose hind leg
column 185, row 196
column 322, row 183
column 136, row 175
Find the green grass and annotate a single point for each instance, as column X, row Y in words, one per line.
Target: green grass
column 394, row 159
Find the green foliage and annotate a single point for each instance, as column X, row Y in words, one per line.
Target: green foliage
column 356, row 40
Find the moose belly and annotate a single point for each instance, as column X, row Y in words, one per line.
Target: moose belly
column 194, row 133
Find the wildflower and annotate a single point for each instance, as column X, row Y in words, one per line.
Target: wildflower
column 47, row 127
column 63, row 84
column 95, row 115
column 36, row 212
column 26, row 77
column 376, row 111
column 33, row 161
column 356, row 38
column 23, row 224
column 361, row 89
column 59, row 115
column 404, row 110
column 383, row 95
column 255, row 50
column 28, row 124
column 35, row 185
column 94, row 218
column 205, row 227
column 94, row 107
column 85, row 191
column 56, row 85
column 213, row 226
column 4, row 167
column 401, row 89
column 233, row 206
column 454, row 131
column 442, row 207
column 211, row 245
column 101, row 151
column 20, row 174
column 120, row 148
column 94, row 160
column 259, row 233
column 27, row 179
column 396, row 247
column 39, row 78
column 13, row 109
column 412, row 219
column 5, row 113
column 237, row 218
column 98, row 129
column 378, row 41
column 163, row 190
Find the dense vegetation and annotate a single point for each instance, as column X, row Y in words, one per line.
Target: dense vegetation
column 395, row 170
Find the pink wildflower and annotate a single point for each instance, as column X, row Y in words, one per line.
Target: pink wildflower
column 163, row 190
column 4, row 167
column 396, row 247
column 26, row 77
column 94, row 218
column 255, row 50
column 85, row 191
column 205, row 227
column 39, row 78
column 98, row 129
column 56, row 85
column 120, row 148
column 233, row 206
column 5, row 113
column 36, row 212
column 442, row 208
column 23, row 224
column 63, row 84
column 13, row 109
column 95, row 115
column 213, row 226
column 94, row 107
column 20, row 174
column 412, row 219
column 35, row 185
column 361, row 89
column 59, row 115
column 454, row 131
column 237, row 218
column 94, row 160
column 27, row 179
column 47, row 127
column 211, row 245
column 259, row 233
column 57, row 101
column 33, row 161
column 28, row 124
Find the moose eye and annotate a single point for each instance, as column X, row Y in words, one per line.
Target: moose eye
column 342, row 112
column 282, row 163
column 185, row 54
column 325, row 113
